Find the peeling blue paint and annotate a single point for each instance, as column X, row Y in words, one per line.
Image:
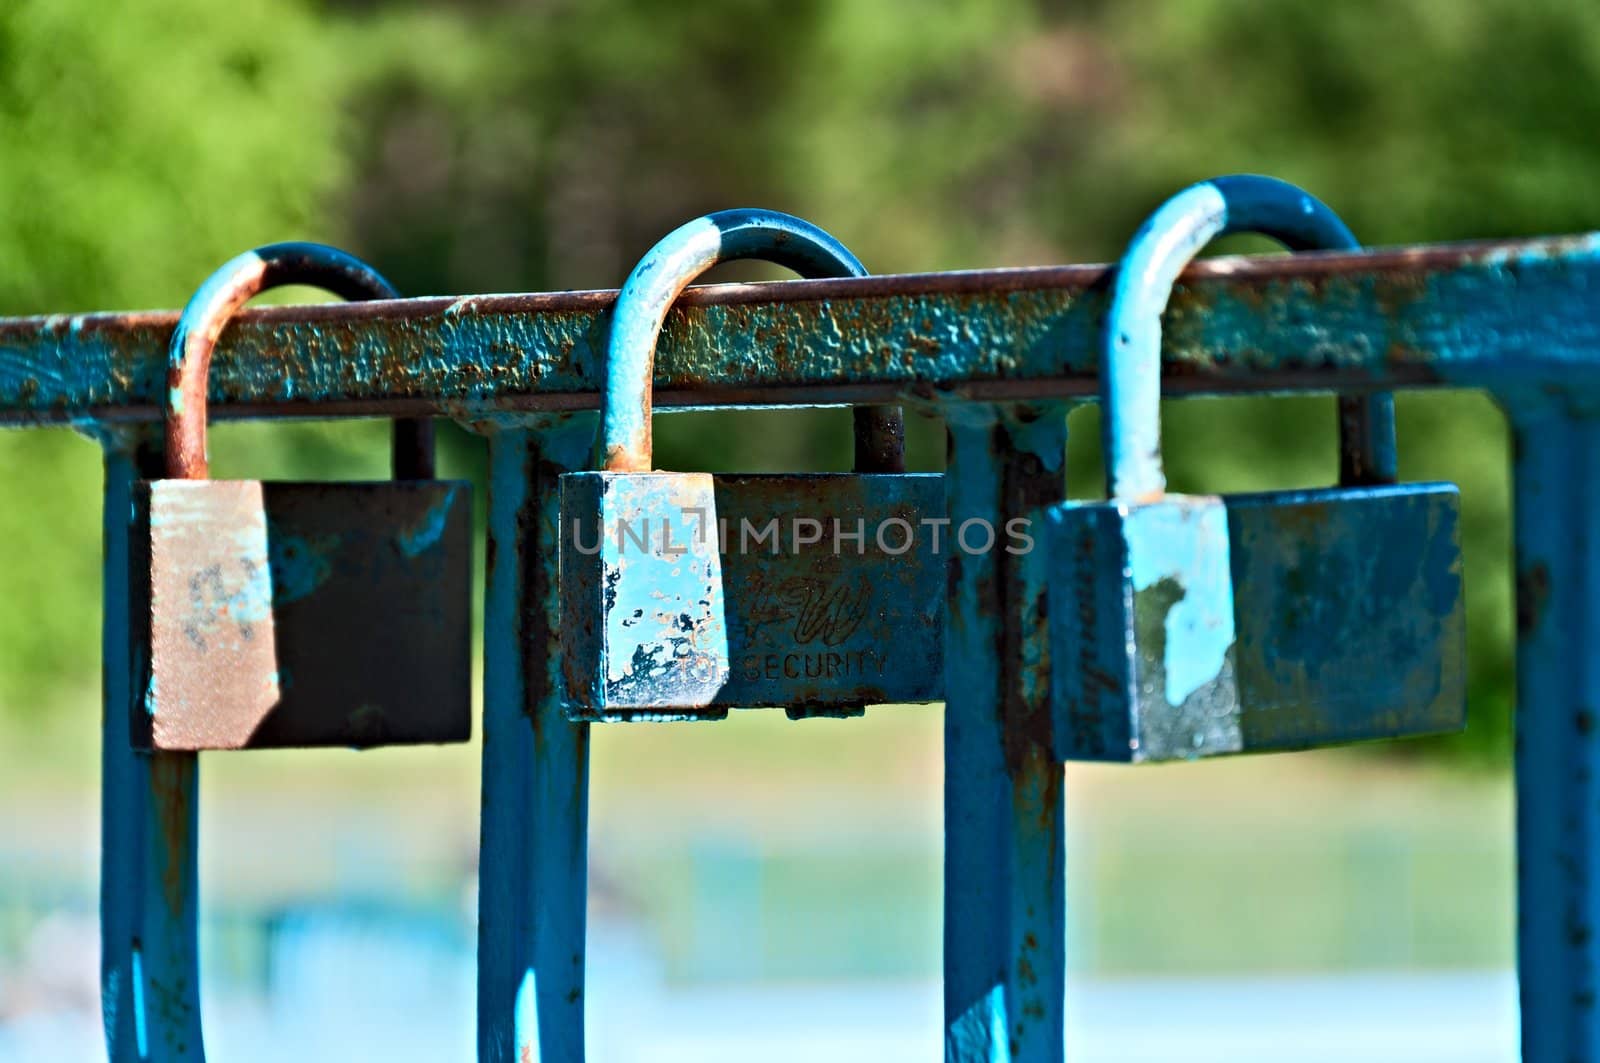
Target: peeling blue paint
column 300, row 564
column 424, row 534
column 1187, row 544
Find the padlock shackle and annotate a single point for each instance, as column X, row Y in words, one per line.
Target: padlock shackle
column 655, row 284
column 1130, row 368
column 211, row 308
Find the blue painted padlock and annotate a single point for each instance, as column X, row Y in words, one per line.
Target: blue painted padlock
column 685, row 594
column 1185, row 626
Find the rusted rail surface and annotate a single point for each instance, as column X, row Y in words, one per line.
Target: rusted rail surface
column 1504, row 314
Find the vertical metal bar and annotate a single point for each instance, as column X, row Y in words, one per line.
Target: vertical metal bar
column 1558, row 747
column 533, row 870
column 1367, row 451
column 411, row 449
column 1005, row 913
column 880, row 434
column 149, row 962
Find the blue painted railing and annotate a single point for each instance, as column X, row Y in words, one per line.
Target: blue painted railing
column 998, row 354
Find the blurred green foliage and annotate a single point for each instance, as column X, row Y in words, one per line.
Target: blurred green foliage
column 138, row 147
column 536, row 144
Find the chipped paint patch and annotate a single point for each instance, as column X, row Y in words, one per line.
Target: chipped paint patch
column 424, row 534
column 1181, row 543
column 300, row 564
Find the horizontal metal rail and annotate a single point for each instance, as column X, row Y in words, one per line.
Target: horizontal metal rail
column 1515, row 316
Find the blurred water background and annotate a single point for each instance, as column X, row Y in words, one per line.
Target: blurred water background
column 767, row 885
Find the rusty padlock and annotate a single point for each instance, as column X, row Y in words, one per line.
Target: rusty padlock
column 1190, row 626
column 685, row 594
column 271, row 614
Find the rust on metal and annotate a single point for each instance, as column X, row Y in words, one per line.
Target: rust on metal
column 216, row 304
column 1309, row 321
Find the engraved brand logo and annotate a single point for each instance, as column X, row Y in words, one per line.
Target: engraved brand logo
column 820, row 609
column 830, row 665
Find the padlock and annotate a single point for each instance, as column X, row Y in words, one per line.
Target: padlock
column 685, row 594
column 271, row 614
column 1191, row 626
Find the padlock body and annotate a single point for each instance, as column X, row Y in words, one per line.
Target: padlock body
column 301, row 614
column 1188, row 627
column 686, row 594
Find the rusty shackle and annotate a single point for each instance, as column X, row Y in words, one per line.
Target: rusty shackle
column 208, row 312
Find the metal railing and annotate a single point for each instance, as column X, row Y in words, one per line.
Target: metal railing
column 999, row 354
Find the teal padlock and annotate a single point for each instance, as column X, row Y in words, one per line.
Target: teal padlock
column 684, row 594
column 1187, row 626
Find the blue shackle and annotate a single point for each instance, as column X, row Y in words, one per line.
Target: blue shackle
column 657, row 281
column 1130, row 370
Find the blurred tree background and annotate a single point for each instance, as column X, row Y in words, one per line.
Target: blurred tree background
column 494, row 145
